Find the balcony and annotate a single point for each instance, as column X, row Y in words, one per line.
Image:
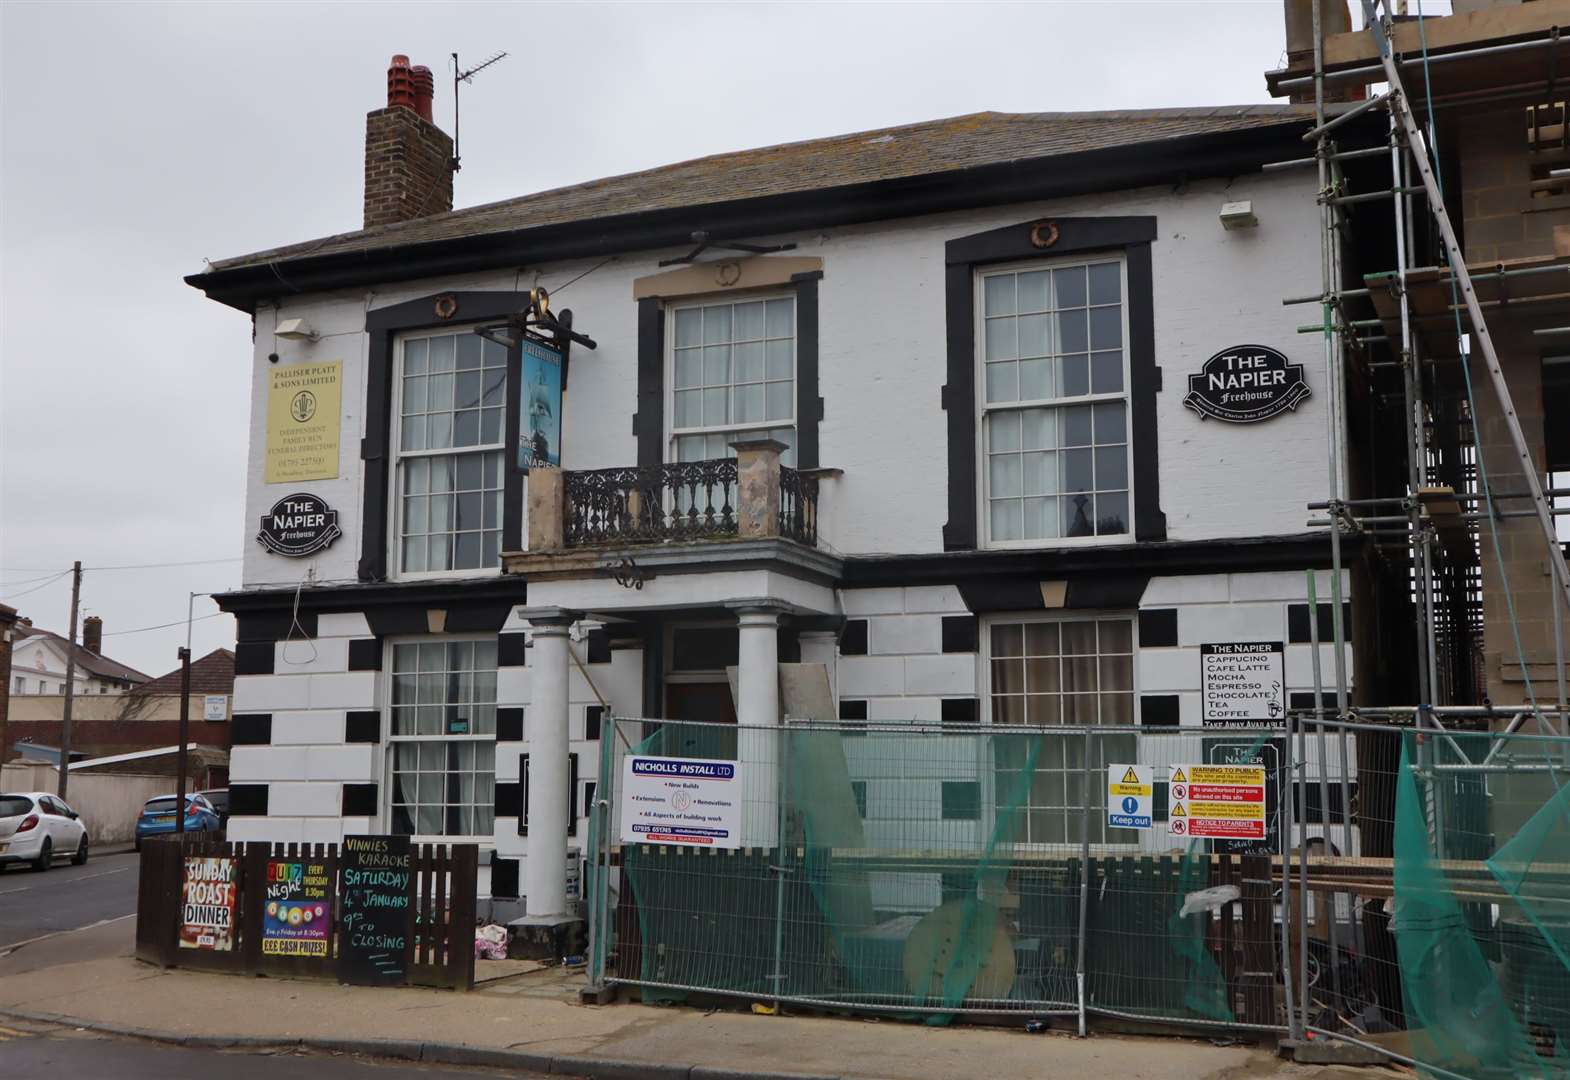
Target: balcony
column 749, row 497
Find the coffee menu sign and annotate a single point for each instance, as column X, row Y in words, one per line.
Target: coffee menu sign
column 1246, row 384
column 299, row 524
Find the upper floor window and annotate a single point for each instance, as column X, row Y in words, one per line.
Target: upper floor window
column 450, row 409
column 1054, row 401
column 732, row 377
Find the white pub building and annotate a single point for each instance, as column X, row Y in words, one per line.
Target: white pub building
column 999, row 418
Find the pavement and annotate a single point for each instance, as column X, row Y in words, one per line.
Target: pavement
column 531, row 1020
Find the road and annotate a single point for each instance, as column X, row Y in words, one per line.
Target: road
column 35, row 907
column 38, row 1052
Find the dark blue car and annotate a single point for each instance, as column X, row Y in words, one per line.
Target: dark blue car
column 157, row 817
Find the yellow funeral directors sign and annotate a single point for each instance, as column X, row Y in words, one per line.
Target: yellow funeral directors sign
column 303, row 418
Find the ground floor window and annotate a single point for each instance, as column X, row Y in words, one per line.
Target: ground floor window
column 1051, row 673
column 443, row 738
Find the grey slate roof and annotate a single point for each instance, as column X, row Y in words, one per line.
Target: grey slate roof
column 86, row 660
column 928, row 148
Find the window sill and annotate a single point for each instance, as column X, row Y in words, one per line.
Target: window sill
column 1053, row 543
column 444, row 575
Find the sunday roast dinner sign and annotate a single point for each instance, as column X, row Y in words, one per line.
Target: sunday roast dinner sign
column 1245, row 384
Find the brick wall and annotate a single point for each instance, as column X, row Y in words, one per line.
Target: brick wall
column 1503, row 220
column 408, row 170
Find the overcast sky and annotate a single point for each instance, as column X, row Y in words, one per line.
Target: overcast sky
column 138, row 139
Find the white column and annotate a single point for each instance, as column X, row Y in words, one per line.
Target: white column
column 758, row 708
column 545, row 737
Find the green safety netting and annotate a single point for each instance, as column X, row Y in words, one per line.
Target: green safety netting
column 924, row 874
column 1482, row 904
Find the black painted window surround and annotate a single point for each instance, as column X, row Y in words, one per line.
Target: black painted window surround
column 648, row 424
column 384, row 325
column 1048, row 239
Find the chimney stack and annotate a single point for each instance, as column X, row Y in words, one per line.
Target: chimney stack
column 93, row 634
column 408, row 159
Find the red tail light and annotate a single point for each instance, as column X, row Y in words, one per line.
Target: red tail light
column 29, row 822
column 192, row 810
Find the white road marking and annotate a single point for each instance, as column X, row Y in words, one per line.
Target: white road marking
column 11, row 948
column 64, row 881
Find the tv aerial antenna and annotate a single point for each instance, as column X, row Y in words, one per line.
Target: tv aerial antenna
column 459, row 76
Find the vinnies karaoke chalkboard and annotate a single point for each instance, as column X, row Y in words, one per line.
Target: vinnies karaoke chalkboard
column 376, row 896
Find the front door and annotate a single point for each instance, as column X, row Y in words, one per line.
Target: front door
column 708, row 703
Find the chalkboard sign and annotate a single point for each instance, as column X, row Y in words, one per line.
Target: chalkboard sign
column 376, row 896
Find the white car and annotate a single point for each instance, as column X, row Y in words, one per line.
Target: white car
column 38, row 828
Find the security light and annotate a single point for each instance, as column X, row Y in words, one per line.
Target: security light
column 1238, row 215
column 296, row 330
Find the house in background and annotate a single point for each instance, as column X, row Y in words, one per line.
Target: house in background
column 39, row 657
column 142, row 718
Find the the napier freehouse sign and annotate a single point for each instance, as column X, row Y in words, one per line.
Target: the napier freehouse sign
column 1246, row 384
column 299, row 524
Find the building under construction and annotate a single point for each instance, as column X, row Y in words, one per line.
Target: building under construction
column 1001, row 677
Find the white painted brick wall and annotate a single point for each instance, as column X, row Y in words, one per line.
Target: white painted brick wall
column 871, row 676
column 858, row 602
column 308, row 728
column 349, row 690
column 308, row 656
column 270, row 693
column 342, row 624
column 943, row 599
column 904, row 634
column 255, row 764
column 1186, row 589
column 1201, row 623
column 358, row 763
column 949, row 675
column 307, row 799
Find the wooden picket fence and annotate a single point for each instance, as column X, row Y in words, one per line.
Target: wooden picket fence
column 439, row 953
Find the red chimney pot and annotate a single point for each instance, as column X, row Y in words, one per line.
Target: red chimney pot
column 424, row 90
column 400, row 83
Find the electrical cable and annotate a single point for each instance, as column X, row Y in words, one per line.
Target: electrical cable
column 35, row 588
column 162, row 626
column 29, row 581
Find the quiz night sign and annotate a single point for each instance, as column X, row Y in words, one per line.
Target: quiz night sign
column 686, row 801
column 298, row 918
column 1246, row 384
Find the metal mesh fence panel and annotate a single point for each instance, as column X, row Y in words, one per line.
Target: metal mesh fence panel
column 935, row 872
column 1408, row 889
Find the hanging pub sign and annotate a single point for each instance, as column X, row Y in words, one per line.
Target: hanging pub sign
column 539, row 435
column 299, row 524
column 1246, row 384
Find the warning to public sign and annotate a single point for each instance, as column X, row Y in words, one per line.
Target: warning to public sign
column 1223, row 802
column 1242, row 683
column 1129, row 790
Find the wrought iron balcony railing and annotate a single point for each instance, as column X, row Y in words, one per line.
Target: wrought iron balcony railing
column 686, row 500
